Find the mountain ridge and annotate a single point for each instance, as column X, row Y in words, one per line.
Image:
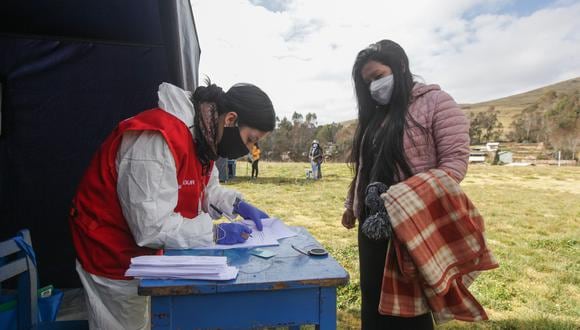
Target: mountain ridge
column 527, row 98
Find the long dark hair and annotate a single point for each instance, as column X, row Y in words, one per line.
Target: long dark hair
column 253, row 106
column 378, row 141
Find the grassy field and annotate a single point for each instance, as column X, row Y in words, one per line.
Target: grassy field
column 532, row 219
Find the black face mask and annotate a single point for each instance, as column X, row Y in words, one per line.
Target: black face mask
column 231, row 145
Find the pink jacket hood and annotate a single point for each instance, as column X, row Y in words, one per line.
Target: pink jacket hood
column 420, row 89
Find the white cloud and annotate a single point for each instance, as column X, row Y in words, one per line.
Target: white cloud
column 301, row 52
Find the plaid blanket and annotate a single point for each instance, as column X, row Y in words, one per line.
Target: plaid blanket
column 438, row 251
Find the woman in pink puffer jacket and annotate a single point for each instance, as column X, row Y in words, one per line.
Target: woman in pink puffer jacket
column 404, row 128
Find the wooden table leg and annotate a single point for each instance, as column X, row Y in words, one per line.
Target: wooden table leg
column 327, row 308
column 161, row 313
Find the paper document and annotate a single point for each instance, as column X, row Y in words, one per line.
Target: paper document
column 273, row 230
column 178, row 261
column 229, row 273
column 181, row 267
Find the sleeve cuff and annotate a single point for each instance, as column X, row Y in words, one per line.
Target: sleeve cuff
column 193, row 233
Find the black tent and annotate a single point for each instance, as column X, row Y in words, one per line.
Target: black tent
column 69, row 72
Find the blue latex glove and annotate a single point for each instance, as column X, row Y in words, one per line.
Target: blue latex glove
column 248, row 211
column 232, row 233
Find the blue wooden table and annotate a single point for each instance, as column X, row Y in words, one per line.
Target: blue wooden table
column 288, row 289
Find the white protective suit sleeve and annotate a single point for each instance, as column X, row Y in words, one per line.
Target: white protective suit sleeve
column 147, row 189
column 219, row 196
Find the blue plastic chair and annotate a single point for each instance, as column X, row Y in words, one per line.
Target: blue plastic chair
column 22, row 266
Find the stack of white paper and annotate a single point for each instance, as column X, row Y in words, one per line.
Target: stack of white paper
column 181, row 267
column 273, row 230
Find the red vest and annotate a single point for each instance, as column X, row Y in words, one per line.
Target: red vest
column 101, row 235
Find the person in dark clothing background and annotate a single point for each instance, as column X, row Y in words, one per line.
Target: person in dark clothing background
column 316, row 157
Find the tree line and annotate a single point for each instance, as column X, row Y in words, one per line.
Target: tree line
column 292, row 138
column 554, row 120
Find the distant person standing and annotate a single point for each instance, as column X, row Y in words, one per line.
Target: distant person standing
column 255, row 159
column 316, row 157
column 222, row 165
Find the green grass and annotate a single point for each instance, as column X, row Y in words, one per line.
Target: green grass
column 532, row 217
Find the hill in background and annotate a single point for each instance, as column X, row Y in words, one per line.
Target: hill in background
column 528, row 98
column 511, row 106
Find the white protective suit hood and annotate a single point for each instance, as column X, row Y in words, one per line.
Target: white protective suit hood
column 177, row 102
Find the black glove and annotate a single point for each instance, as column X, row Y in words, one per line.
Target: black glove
column 377, row 225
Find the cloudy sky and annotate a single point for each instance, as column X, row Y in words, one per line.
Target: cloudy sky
column 301, row 52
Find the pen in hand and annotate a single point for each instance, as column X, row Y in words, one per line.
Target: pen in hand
column 221, row 213
column 230, row 219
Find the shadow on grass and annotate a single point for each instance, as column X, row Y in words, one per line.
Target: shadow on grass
column 349, row 320
column 271, row 180
column 515, row 324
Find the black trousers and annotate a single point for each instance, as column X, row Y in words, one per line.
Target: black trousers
column 255, row 168
column 372, row 256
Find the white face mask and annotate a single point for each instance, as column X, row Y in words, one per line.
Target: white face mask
column 382, row 89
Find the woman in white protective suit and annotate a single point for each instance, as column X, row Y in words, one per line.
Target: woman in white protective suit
column 150, row 185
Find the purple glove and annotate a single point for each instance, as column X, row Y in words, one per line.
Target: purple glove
column 232, row 233
column 248, row 211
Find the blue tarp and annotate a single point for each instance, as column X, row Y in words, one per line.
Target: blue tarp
column 70, row 71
